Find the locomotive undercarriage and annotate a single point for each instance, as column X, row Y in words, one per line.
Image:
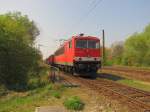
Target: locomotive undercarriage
column 86, row 66
column 81, row 68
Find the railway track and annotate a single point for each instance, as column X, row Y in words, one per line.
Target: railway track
column 136, row 100
column 134, row 73
column 139, row 71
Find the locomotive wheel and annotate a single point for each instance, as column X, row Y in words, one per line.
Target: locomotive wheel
column 66, row 69
column 93, row 75
column 76, row 74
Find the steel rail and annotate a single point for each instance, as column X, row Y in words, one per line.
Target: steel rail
column 146, row 106
column 128, row 99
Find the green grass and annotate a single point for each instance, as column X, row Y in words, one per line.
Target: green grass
column 133, row 67
column 23, row 103
column 142, row 85
column 48, row 95
column 27, row 101
column 125, row 80
column 56, row 94
column 136, row 84
column 74, row 103
column 3, row 90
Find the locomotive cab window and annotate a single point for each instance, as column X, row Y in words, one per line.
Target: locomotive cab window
column 81, row 44
column 93, row 44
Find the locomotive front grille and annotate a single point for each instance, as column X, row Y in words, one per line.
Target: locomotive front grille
column 95, row 59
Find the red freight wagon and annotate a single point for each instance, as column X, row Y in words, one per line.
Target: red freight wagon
column 79, row 54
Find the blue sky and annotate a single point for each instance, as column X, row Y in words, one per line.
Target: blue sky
column 59, row 19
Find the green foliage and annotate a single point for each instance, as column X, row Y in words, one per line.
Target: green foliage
column 117, row 50
column 3, row 90
column 74, row 103
column 135, row 51
column 50, row 87
column 108, row 57
column 33, row 83
column 114, row 54
column 56, row 90
column 56, row 94
column 26, row 102
column 136, row 84
column 18, row 56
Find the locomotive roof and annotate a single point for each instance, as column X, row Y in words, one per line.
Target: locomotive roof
column 78, row 37
column 87, row 37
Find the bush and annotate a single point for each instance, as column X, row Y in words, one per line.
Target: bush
column 74, row 103
column 33, row 83
column 50, row 87
column 39, row 81
column 3, row 90
column 18, row 56
column 56, row 94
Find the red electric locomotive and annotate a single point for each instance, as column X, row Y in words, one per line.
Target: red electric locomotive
column 78, row 54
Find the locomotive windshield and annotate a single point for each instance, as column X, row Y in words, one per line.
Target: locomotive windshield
column 87, row 44
column 81, row 44
column 93, row 44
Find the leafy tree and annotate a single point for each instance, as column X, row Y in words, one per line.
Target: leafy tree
column 18, row 56
column 108, row 57
column 117, row 50
column 137, row 49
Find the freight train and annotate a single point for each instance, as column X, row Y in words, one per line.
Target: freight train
column 80, row 54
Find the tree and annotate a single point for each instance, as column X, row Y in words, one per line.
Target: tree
column 117, row 50
column 137, row 49
column 18, row 56
column 108, row 56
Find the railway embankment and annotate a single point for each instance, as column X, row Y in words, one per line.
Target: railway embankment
column 54, row 95
column 142, row 74
column 96, row 95
column 132, row 98
column 121, row 79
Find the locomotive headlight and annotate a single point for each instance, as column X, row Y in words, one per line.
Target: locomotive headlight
column 87, row 59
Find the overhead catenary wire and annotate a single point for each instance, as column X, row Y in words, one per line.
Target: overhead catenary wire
column 94, row 4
